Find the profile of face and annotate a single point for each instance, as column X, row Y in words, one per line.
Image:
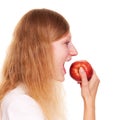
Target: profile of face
column 34, row 34
column 63, row 50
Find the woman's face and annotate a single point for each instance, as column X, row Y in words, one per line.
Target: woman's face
column 63, row 50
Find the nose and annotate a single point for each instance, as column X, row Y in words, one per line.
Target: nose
column 73, row 50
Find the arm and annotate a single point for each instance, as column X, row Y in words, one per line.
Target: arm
column 88, row 92
column 89, row 110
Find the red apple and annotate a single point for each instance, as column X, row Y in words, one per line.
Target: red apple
column 75, row 66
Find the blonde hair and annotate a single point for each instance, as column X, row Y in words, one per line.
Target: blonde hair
column 29, row 60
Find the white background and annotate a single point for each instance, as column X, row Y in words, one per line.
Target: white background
column 95, row 28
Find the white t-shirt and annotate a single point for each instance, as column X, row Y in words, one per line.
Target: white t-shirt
column 17, row 105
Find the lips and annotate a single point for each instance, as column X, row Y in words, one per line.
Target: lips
column 64, row 70
column 67, row 60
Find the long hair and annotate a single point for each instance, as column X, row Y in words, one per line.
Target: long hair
column 30, row 60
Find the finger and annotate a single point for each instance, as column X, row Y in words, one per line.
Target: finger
column 83, row 76
column 79, row 82
column 95, row 80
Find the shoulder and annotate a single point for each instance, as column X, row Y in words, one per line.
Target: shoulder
column 17, row 104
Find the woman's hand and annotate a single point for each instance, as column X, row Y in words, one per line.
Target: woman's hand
column 89, row 88
column 88, row 92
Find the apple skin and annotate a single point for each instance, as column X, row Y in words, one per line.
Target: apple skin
column 75, row 66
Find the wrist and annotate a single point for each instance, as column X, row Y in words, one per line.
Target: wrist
column 89, row 110
column 89, row 103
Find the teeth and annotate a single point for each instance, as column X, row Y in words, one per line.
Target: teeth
column 67, row 58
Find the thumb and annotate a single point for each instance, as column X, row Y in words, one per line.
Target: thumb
column 83, row 76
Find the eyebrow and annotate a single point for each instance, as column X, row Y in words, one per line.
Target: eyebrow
column 68, row 37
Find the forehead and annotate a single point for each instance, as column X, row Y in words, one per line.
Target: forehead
column 66, row 37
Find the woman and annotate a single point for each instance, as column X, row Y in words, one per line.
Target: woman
column 31, row 87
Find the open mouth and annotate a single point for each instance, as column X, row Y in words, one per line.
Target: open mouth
column 65, row 65
column 64, row 70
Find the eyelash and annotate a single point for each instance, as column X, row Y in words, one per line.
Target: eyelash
column 67, row 42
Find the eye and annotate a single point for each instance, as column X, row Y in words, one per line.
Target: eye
column 67, row 42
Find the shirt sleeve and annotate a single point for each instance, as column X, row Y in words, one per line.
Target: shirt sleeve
column 24, row 107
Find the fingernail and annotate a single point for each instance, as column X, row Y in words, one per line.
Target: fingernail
column 81, row 69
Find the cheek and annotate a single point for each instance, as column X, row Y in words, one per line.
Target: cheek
column 57, row 59
column 66, row 53
column 60, row 55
